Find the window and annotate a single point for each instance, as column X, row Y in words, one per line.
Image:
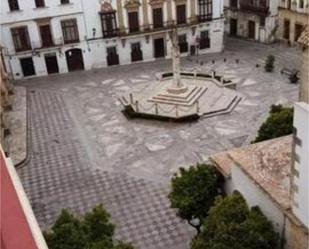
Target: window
column 39, row 3
column 204, row 39
column 157, row 18
column 181, row 14
column 182, row 42
column 70, row 31
column 46, row 35
column 205, row 10
column 64, row 1
column 21, row 39
column 133, row 22
column 13, row 4
column 109, row 24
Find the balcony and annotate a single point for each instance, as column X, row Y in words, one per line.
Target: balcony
column 257, row 6
column 47, row 44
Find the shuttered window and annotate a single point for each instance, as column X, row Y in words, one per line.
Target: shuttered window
column 181, row 14
column 157, row 18
column 133, row 21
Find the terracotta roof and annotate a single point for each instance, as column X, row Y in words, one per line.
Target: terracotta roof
column 16, row 230
column 304, row 37
column 267, row 163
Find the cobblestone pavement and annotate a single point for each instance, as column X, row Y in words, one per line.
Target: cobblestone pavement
column 84, row 151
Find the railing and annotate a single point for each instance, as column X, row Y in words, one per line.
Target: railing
column 54, row 43
column 142, row 29
column 257, row 6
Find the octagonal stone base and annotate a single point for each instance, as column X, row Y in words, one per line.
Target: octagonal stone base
column 203, row 97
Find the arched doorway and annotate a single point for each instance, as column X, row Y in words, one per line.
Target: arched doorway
column 74, row 59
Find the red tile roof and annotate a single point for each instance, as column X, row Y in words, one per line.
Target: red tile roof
column 16, row 231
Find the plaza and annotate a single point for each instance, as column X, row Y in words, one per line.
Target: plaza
column 82, row 150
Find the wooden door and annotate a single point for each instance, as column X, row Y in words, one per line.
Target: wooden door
column 51, row 63
column 46, row 35
column 159, row 49
column 136, row 52
column 112, row 56
column 233, row 27
column 74, row 59
column 27, row 66
column 251, row 30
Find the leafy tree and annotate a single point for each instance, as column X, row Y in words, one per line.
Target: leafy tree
column 279, row 123
column 232, row 225
column 193, row 193
column 93, row 231
column 269, row 63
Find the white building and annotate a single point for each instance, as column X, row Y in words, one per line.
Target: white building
column 56, row 36
column 254, row 20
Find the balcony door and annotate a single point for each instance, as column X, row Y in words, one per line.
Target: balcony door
column 133, row 22
column 46, row 35
column 157, row 15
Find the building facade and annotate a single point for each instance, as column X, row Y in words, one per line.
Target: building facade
column 5, row 101
column 254, row 20
column 44, row 36
column 293, row 18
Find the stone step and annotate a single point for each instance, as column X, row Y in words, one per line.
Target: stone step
column 188, row 102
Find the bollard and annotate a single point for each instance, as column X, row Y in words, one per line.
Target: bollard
column 131, row 99
column 197, row 107
column 136, row 105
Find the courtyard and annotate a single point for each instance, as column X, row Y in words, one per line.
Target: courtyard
column 83, row 151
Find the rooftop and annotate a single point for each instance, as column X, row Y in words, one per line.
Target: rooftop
column 266, row 163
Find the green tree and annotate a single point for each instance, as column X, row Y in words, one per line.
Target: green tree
column 232, row 225
column 269, row 63
column 193, row 193
column 93, row 231
column 279, row 123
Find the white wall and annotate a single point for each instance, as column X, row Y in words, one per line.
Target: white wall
column 301, row 197
column 255, row 196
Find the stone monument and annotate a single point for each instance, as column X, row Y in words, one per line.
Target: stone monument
column 181, row 95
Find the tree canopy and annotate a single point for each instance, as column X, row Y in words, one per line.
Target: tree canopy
column 93, row 231
column 279, row 123
column 193, row 193
column 231, row 224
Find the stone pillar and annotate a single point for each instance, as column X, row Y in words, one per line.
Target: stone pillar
column 120, row 16
column 193, row 18
column 145, row 14
column 169, row 11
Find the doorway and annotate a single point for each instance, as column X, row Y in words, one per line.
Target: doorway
column 51, row 63
column 159, row 48
column 112, row 56
column 74, row 59
column 251, row 30
column 27, row 66
column 136, row 52
column 233, row 27
column 298, row 30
